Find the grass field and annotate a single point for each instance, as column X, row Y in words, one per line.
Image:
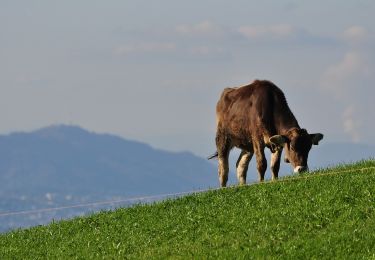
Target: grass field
column 327, row 214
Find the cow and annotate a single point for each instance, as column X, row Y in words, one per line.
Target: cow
column 253, row 117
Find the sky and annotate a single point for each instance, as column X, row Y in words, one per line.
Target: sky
column 153, row 71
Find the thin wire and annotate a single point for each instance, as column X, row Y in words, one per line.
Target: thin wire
column 168, row 195
column 93, row 204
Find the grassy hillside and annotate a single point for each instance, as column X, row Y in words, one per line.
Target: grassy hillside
column 329, row 214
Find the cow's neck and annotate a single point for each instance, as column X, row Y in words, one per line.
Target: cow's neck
column 286, row 124
column 284, row 120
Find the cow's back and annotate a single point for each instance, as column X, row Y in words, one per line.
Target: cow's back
column 250, row 110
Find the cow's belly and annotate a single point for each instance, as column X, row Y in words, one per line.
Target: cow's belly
column 243, row 144
column 239, row 136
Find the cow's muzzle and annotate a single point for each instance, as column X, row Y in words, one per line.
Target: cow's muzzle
column 300, row 169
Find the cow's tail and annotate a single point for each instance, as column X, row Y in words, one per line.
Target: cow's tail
column 212, row 156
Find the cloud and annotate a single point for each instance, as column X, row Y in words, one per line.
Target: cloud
column 337, row 76
column 207, row 50
column 261, row 31
column 350, row 83
column 205, row 28
column 352, row 123
column 355, row 34
column 275, row 34
column 147, row 47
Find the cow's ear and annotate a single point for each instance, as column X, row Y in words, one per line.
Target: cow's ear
column 278, row 140
column 315, row 138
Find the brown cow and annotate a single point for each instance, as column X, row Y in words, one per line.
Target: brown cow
column 256, row 116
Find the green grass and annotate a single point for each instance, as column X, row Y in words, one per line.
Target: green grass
column 322, row 215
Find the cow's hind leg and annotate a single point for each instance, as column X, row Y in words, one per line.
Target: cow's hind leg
column 223, row 148
column 275, row 164
column 242, row 166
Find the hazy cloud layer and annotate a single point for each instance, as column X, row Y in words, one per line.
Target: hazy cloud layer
column 356, row 34
column 153, row 72
column 272, row 31
column 201, row 29
column 146, row 47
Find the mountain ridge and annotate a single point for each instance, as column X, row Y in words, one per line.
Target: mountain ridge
column 45, row 167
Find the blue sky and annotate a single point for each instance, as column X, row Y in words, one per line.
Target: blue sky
column 153, row 70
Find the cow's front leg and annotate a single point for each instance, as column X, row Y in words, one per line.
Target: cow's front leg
column 275, row 163
column 261, row 160
column 242, row 166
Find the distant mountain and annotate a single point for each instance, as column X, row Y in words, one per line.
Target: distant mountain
column 70, row 160
column 66, row 165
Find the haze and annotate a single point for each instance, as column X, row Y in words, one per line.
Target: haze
column 153, row 70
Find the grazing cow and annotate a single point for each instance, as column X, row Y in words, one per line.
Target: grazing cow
column 253, row 117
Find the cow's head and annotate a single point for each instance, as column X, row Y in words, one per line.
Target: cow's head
column 297, row 144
